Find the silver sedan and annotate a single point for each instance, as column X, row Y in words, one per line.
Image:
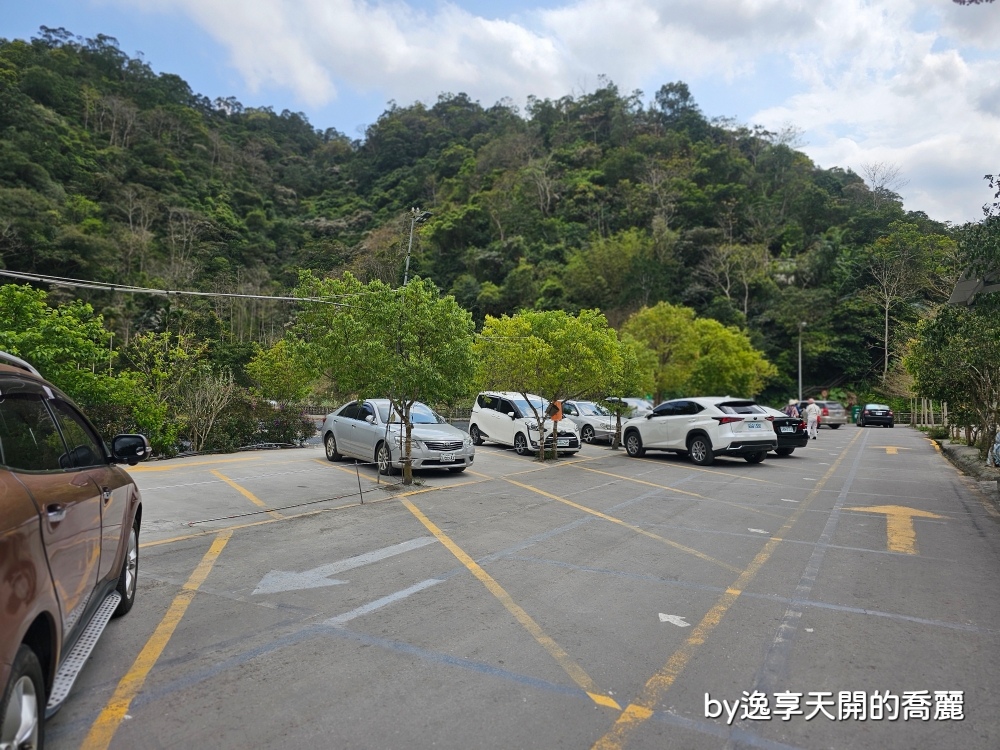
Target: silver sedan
column 595, row 422
column 371, row 431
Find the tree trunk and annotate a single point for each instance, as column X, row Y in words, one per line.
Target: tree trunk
column 407, row 461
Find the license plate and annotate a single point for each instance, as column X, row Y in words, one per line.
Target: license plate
column 562, row 442
column 447, row 458
column 879, row 413
column 755, row 426
column 788, row 429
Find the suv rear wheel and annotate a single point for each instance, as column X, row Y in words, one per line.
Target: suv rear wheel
column 23, row 704
column 700, row 450
column 476, row 435
column 755, row 458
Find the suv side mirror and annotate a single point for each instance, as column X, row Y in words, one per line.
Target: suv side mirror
column 370, row 419
column 129, row 449
column 511, row 415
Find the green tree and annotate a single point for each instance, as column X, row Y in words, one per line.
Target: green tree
column 70, row 347
column 727, row 362
column 900, row 267
column 281, row 373
column 631, row 372
column 668, row 331
column 955, row 357
column 406, row 344
column 548, row 353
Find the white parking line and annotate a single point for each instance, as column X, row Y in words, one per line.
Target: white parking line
column 340, row 620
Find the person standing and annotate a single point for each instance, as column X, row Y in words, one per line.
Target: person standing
column 812, row 418
column 792, row 409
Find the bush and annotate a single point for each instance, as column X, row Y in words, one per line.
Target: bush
column 247, row 421
column 938, row 432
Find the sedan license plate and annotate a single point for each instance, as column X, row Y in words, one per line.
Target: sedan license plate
column 788, row 429
column 755, row 425
column 562, row 442
column 447, row 458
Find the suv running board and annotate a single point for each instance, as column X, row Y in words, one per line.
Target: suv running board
column 73, row 663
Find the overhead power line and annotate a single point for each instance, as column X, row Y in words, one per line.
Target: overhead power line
column 108, row 287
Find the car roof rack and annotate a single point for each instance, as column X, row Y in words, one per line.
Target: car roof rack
column 10, row 359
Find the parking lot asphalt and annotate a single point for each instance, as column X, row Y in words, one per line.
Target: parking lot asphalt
column 597, row 601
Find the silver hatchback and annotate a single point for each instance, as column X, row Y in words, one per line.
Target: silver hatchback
column 371, row 431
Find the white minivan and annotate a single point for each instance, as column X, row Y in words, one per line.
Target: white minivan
column 507, row 418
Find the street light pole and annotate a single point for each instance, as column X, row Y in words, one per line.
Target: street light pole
column 416, row 217
column 802, row 325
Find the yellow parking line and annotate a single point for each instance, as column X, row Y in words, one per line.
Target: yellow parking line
column 239, row 527
column 111, row 717
column 651, row 535
column 683, row 492
column 169, row 467
column 247, row 494
column 352, row 470
column 651, row 696
column 575, row 672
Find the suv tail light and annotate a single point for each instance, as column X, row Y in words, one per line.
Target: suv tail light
column 890, row 412
column 826, row 412
column 803, row 425
column 769, row 419
column 865, row 411
column 728, row 420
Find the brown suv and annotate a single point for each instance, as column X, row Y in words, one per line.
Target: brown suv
column 69, row 540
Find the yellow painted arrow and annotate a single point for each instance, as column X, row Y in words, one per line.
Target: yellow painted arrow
column 891, row 450
column 899, row 525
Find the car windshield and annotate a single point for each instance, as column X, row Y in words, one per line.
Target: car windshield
column 522, row 406
column 590, row 409
column 882, row 407
column 419, row 414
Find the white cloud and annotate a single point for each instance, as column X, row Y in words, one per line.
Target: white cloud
column 885, row 80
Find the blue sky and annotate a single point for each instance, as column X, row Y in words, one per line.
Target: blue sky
column 914, row 83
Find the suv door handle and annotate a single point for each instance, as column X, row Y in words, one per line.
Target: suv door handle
column 56, row 512
column 106, row 494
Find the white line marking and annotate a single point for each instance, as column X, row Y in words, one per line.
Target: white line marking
column 282, row 580
column 786, row 500
column 759, row 531
column 340, row 620
column 674, row 620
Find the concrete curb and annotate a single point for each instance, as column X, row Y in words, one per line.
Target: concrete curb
column 968, row 461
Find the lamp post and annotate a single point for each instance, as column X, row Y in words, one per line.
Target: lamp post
column 802, row 325
column 416, row 217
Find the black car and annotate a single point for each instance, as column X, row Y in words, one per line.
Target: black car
column 791, row 431
column 876, row 414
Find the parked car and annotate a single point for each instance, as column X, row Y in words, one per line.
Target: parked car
column 703, row 428
column 876, row 414
column 833, row 413
column 69, row 545
column 595, row 422
column 637, row 407
column 371, row 430
column 792, row 432
column 505, row 417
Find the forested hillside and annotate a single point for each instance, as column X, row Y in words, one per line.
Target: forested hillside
column 111, row 172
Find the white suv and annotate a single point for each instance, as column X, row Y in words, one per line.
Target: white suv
column 505, row 417
column 703, row 428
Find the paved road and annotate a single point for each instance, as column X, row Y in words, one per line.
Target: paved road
column 599, row 602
